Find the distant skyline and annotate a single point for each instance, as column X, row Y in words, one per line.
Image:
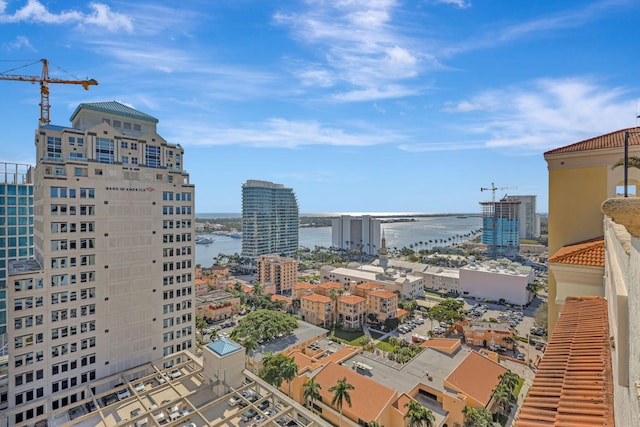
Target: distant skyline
column 358, row 105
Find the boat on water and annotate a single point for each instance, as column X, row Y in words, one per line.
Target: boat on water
column 203, row 240
column 236, row 235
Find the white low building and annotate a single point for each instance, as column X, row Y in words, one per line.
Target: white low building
column 497, row 280
column 442, row 278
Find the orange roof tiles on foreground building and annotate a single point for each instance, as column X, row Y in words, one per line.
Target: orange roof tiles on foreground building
column 589, row 253
column 610, row 140
column 368, row 398
column 574, row 386
column 465, row 378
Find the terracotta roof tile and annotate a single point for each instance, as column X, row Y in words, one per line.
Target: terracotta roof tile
column 368, row 285
column 574, row 385
column 476, row 376
column 589, row 252
column 368, row 398
column 305, row 285
column 276, row 297
column 383, row 293
column 610, row 140
column 351, row 299
column 331, row 285
column 316, row 298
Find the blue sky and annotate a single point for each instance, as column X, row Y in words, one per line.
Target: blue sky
column 359, row 105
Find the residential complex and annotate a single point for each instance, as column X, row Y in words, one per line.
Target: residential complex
column 277, row 271
column 113, row 217
column 330, row 302
column 501, row 227
column 356, row 234
column 269, row 219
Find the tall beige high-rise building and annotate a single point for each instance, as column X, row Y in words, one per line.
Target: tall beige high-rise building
column 110, row 286
column 278, row 271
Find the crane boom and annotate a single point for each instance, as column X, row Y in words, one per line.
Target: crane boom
column 44, row 79
column 493, row 189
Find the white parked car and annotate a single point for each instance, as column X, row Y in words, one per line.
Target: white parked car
column 139, row 387
column 123, row 393
column 176, row 373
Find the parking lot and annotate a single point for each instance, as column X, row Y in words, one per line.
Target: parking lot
column 521, row 320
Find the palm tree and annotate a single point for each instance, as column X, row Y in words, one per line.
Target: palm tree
column 201, row 324
column 341, row 394
column 257, row 289
column 418, row 416
column 510, row 380
column 288, row 371
column 311, row 391
column 250, row 344
column 501, row 397
column 633, row 162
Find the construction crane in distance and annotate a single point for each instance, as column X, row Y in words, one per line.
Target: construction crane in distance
column 493, row 189
column 44, row 79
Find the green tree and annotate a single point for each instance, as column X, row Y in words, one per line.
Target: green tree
column 447, row 311
column 201, row 324
column 417, row 415
column 501, row 397
column 288, row 371
column 250, row 345
column 341, row 394
column 374, row 424
column 311, row 391
column 478, row 417
column 274, row 369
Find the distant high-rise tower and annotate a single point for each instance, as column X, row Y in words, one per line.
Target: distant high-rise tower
column 269, row 219
column 16, row 228
column 356, row 233
column 501, row 228
column 529, row 219
column 110, row 286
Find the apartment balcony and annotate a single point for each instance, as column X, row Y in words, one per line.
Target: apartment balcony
column 621, row 279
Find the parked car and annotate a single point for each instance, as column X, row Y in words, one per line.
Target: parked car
column 246, row 416
column 123, row 393
column 139, row 387
column 233, row 401
column 176, row 373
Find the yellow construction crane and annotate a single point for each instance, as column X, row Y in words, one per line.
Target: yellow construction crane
column 493, row 189
column 44, row 81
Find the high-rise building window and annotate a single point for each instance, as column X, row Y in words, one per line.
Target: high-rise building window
column 152, row 156
column 104, row 150
column 54, row 147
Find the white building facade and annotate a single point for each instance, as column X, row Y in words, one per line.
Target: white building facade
column 356, row 233
column 497, row 281
column 111, row 284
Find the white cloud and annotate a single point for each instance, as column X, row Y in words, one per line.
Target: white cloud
column 362, row 50
column 281, row 133
column 462, row 4
column 548, row 113
column 20, row 42
column 374, row 93
column 100, row 15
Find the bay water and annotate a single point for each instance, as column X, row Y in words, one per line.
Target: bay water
column 397, row 234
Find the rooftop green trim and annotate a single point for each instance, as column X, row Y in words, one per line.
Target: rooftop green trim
column 114, row 107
